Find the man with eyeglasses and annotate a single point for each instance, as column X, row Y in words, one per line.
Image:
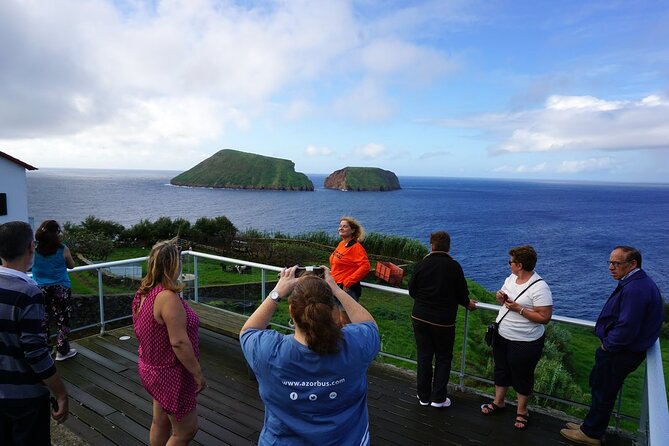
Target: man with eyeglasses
column 628, row 325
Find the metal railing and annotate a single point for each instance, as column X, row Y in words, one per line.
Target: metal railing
column 654, row 417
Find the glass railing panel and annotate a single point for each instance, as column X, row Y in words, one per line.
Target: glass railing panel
column 227, row 285
column 118, row 285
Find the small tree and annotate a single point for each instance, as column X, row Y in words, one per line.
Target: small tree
column 108, row 228
column 218, row 230
column 94, row 246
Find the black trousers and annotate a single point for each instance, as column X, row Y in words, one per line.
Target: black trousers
column 25, row 422
column 433, row 342
column 515, row 362
column 606, row 378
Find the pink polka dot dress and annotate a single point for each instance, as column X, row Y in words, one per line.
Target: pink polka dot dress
column 161, row 372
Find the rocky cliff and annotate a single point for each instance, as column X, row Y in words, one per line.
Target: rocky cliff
column 362, row 179
column 233, row 169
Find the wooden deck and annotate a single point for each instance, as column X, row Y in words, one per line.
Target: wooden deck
column 110, row 407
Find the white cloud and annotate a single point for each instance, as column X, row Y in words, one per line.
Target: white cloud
column 82, row 76
column 569, row 167
column 581, row 103
column 577, row 123
column 393, row 56
column 313, row 151
column 590, row 165
column 366, row 102
column 370, row 151
column 433, row 155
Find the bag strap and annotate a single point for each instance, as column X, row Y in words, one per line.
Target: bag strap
column 521, row 293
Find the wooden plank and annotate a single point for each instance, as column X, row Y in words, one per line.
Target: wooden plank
column 112, row 385
column 104, row 426
column 88, row 400
column 206, row 412
column 86, row 432
column 108, row 363
column 225, row 436
column 107, row 343
column 141, row 433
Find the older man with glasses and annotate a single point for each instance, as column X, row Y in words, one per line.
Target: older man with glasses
column 628, row 325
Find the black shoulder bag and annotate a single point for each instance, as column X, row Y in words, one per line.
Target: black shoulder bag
column 491, row 331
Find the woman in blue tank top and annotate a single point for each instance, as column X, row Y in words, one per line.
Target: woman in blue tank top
column 52, row 258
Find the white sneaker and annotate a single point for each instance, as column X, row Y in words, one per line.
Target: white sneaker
column 67, row 355
column 446, row 403
column 422, row 403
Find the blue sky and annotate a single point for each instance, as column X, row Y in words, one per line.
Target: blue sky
column 567, row 90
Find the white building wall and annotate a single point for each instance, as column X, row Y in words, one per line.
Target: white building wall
column 13, row 182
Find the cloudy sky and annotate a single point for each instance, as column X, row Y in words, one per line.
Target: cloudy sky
column 567, row 90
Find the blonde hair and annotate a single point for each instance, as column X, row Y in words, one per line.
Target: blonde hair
column 358, row 230
column 163, row 266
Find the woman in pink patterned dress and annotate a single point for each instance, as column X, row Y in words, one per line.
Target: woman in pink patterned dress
column 169, row 348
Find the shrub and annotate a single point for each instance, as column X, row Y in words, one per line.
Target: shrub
column 108, row 228
column 217, row 230
column 95, row 246
column 394, row 246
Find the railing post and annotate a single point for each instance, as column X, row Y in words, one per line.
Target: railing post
column 196, row 291
column 643, row 417
column 263, row 277
column 463, row 357
column 618, row 415
column 102, row 304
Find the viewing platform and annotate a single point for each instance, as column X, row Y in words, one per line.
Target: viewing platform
column 109, row 405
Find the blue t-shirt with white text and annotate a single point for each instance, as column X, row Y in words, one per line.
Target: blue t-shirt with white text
column 311, row 398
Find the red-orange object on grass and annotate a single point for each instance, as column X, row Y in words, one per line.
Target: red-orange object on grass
column 389, row 272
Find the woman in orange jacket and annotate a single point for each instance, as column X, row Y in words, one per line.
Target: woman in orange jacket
column 349, row 263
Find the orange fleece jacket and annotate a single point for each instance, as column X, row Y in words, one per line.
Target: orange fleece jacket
column 349, row 263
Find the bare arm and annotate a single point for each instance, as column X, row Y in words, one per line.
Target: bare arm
column 69, row 261
column 169, row 311
column 356, row 312
column 57, row 387
column 263, row 314
column 538, row 315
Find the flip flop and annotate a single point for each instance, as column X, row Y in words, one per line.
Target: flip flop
column 522, row 420
column 491, row 408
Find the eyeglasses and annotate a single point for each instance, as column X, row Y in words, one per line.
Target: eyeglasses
column 616, row 264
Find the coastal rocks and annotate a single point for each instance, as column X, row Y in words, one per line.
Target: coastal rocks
column 232, row 169
column 362, row 179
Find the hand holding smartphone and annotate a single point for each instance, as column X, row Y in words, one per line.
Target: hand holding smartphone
column 317, row 271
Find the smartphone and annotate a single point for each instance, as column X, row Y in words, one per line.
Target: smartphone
column 54, row 404
column 317, row 271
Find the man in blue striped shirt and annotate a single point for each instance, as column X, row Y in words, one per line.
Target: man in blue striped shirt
column 27, row 371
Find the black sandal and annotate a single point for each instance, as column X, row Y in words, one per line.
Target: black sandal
column 522, row 420
column 491, row 408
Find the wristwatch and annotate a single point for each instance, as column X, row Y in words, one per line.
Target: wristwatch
column 274, row 295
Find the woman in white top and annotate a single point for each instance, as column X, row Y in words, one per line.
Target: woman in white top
column 526, row 298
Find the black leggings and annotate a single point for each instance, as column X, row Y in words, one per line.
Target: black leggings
column 515, row 362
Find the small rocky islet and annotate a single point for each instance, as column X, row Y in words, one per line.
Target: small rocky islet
column 362, row 179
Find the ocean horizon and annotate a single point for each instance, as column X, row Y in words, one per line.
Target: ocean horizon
column 573, row 225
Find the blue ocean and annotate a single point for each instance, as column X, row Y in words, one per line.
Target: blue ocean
column 573, row 226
